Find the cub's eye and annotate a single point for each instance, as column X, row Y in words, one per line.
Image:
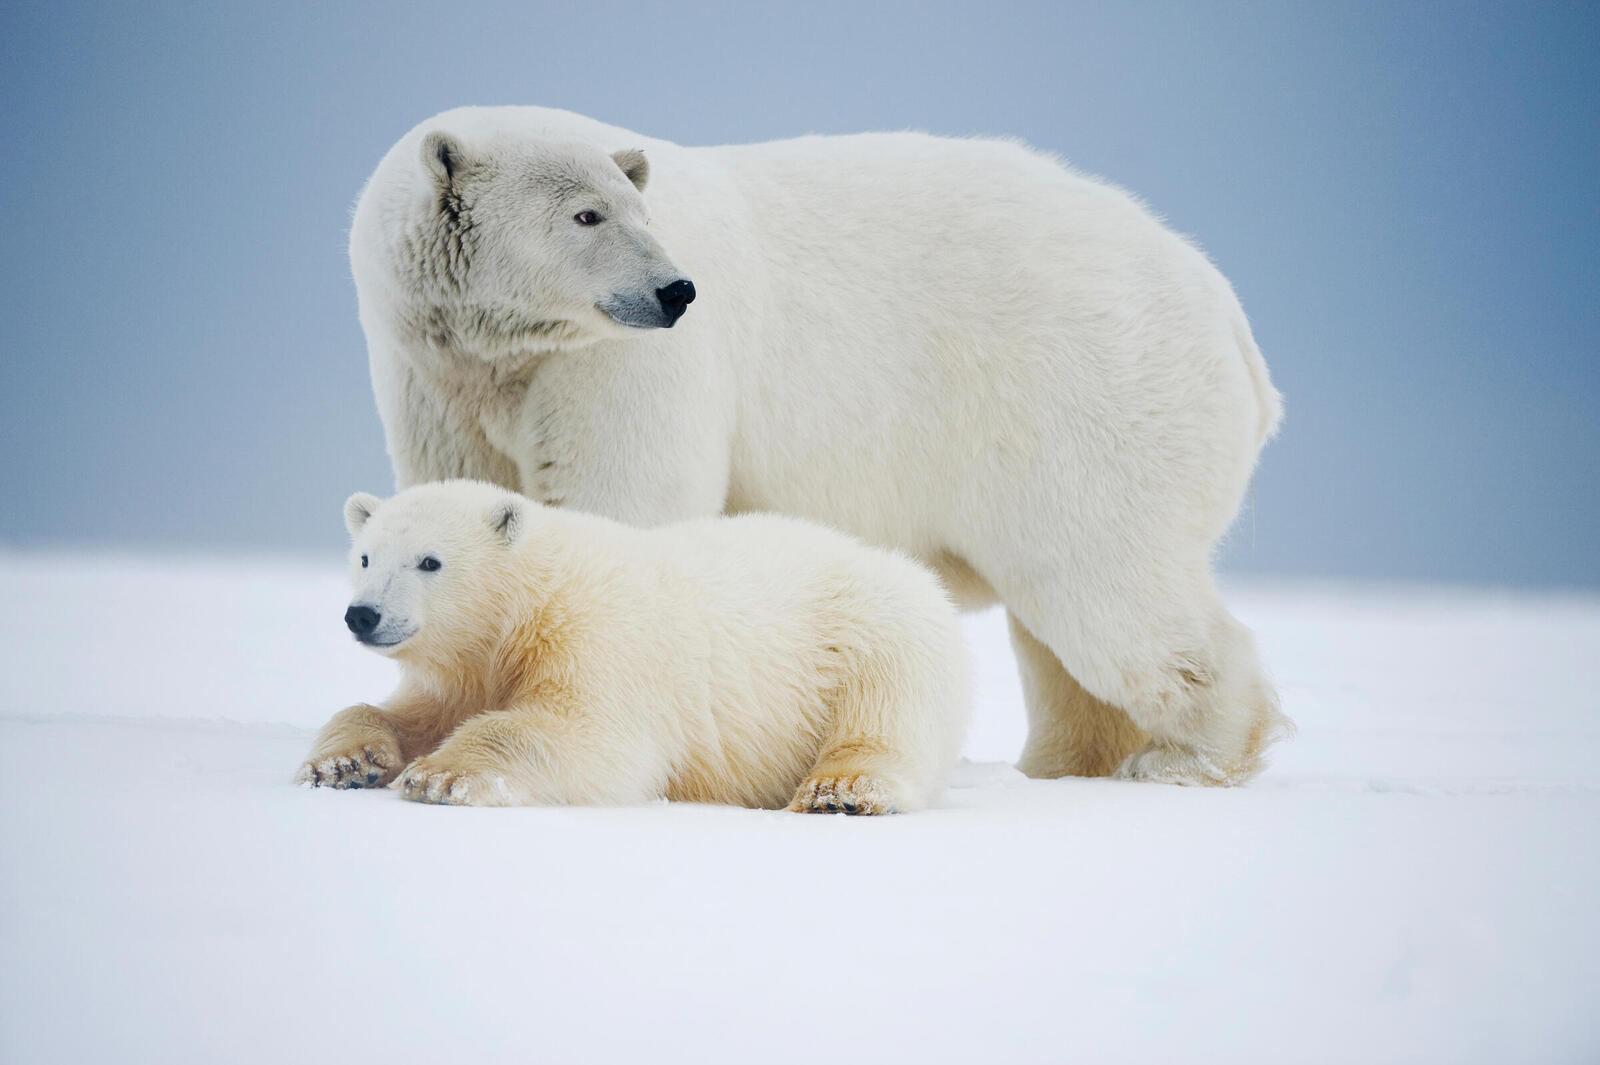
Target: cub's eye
column 588, row 218
column 429, row 564
column 363, row 561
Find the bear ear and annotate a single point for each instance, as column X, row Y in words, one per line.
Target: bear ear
column 443, row 158
column 507, row 519
column 634, row 166
column 358, row 508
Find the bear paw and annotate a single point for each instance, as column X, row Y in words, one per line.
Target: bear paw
column 372, row 766
column 851, row 794
column 1167, row 764
column 425, row 781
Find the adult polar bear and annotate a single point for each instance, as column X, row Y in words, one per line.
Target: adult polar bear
column 957, row 348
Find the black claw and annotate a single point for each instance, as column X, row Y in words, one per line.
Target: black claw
column 833, row 807
column 850, row 808
column 354, row 784
column 372, row 777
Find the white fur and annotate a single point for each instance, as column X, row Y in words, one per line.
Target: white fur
column 958, row 348
column 559, row 657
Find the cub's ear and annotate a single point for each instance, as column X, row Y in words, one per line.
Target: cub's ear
column 358, row 508
column 507, row 519
column 634, row 166
column 444, row 158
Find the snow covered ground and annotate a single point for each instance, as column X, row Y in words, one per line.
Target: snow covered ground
column 1413, row 880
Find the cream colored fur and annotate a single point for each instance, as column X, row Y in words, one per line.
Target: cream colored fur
column 961, row 349
column 557, row 657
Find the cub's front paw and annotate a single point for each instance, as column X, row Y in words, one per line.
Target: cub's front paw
column 371, row 766
column 427, row 780
column 854, row 793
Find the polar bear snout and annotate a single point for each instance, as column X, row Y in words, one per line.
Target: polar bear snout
column 675, row 299
column 384, row 633
column 637, row 310
column 362, row 620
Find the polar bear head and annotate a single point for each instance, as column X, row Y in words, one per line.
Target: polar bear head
column 431, row 566
column 527, row 245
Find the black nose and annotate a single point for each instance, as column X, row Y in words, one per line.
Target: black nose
column 675, row 298
column 361, row 619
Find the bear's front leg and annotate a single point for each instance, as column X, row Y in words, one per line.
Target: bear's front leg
column 650, row 448
column 537, row 756
column 358, row 748
column 487, row 761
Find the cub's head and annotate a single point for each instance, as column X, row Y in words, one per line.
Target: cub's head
column 529, row 245
column 430, row 567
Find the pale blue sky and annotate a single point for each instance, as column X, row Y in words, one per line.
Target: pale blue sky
column 1403, row 194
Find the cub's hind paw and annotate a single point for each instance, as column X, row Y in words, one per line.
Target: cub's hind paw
column 856, row 793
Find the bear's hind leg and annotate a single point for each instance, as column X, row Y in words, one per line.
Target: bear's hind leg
column 853, row 776
column 1070, row 732
column 1162, row 647
column 896, row 729
column 1211, row 712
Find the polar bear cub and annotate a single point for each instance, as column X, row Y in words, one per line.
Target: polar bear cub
column 553, row 657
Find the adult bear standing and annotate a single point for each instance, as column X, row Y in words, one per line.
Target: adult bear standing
column 958, row 348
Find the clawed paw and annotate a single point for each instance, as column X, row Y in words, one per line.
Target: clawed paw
column 423, row 781
column 847, row 794
column 1164, row 764
column 370, row 767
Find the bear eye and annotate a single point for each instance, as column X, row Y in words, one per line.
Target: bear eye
column 588, row 218
column 363, row 561
column 428, row 564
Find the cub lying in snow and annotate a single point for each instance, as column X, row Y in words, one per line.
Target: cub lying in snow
column 550, row 656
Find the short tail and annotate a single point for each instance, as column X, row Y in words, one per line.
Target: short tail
column 1268, row 400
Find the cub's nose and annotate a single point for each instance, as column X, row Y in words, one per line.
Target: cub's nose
column 675, row 299
column 361, row 619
